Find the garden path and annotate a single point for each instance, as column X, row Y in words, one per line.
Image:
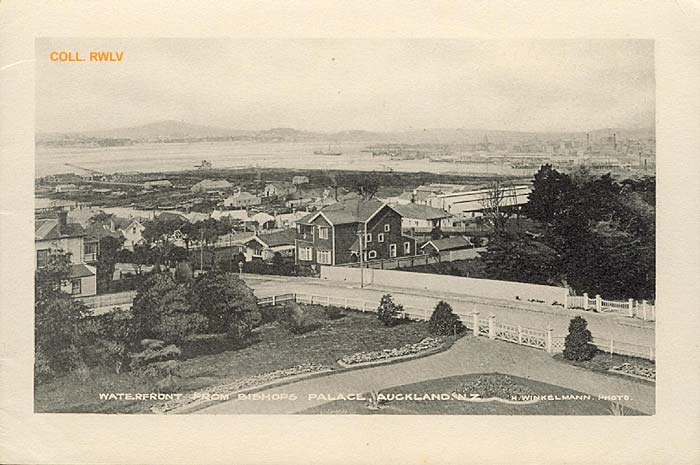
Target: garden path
column 467, row 355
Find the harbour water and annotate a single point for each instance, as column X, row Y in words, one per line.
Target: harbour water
column 184, row 156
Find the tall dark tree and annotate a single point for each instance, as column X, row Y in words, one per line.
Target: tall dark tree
column 58, row 318
column 227, row 302
column 109, row 251
column 516, row 257
column 551, row 193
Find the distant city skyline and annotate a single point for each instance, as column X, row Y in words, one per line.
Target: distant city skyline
column 324, row 85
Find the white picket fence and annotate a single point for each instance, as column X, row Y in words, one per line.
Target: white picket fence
column 542, row 339
column 631, row 308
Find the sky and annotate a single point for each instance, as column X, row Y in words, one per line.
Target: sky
column 347, row 84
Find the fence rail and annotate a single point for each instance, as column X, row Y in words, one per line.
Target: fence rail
column 542, row 339
column 109, row 300
column 416, row 260
column 629, row 308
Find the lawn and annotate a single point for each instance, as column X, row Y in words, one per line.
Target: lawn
column 210, row 360
column 602, row 362
column 448, row 385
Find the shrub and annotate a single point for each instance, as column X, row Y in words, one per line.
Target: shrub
column 493, row 385
column 333, row 313
column 576, row 343
column 295, row 320
column 388, row 311
column 443, row 321
column 148, row 356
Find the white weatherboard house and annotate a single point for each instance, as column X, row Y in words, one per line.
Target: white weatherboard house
column 414, row 215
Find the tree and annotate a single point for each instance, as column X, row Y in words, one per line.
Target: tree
column 157, row 233
column 551, row 192
column 100, row 217
column 495, row 203
column 162, row 310
column 576, row 343
column 227, row 302
column 516, row 257
column 388, row 311
column 183, row 273
column 58, row 319
column 109, row 250
column 443, row 321
column 367, row 186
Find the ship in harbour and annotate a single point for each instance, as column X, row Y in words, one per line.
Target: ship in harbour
column 328, row 152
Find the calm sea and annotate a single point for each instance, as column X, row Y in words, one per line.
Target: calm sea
column 179, row 157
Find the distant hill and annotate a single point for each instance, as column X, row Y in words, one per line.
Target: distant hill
column 171, row 130
column 160, row 129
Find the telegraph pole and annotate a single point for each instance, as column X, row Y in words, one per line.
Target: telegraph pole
column 359, row 235
column 201, row 251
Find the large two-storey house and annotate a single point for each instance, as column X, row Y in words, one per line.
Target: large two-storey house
column 56, row 234
column 332, row 235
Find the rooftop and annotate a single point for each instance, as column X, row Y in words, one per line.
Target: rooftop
column 450, row 243
column 420, row 212
column 350, row 211
column 50, row 229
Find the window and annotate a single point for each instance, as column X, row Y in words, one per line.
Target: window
column 305, row 253
column 298, row 228
column 323, row 232
column 406, row 248
column 372, row 254
column 42, row 257
column 392, row 250
column 75, row 286
column 387, row 227
column 324, row 257
column 380, row 237
column 368, row 238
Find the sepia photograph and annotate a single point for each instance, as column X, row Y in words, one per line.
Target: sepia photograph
column 345, row 227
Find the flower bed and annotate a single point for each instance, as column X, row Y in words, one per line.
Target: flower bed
column 631, row 369
column 493, row 386
column 429, row 343
column 215, row 393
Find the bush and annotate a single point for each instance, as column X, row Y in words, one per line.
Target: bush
column 443, row 321
column 295, row 320
column 333, row 313
column 148, row 356
column 576, row 343
column 388, row 311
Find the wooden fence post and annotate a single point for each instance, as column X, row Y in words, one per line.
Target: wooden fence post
column 566, row 299
column 492, row 327
column 475, row 322
column 345, row 303
column 630, row 303
column 364, row 308
column 520, row 334
column 274, row 300
column 585, row 300
column 548, row 341
column 644, row 309
column 598, row 303
column 425, row 314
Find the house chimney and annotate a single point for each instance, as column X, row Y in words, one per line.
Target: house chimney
column 63, row 221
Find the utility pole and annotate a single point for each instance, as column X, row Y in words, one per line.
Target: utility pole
column 201, row 251
column 361, row 238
